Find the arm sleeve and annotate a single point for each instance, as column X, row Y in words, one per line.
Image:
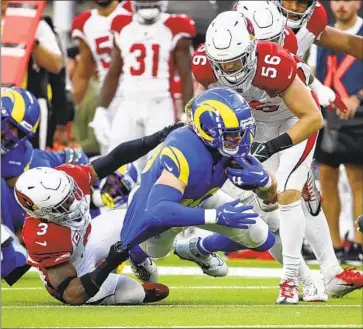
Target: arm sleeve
column 125, row 153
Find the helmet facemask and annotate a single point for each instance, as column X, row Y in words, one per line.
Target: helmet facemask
column 12, row 133
column 237, row 72
column 295, row 19
column 149, row 11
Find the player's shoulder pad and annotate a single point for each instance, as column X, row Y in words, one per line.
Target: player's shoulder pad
column 48, row 244
column 201, row 68
column 181, row 24
column 80, row 173
column 79, row 22
column 318, row 20
column 290, row 40
column 120, row 21
column 276, row 68
column 126, row 5
column 180, row 155
column 17, row 160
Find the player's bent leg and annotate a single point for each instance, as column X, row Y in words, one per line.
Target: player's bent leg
column 119, row 289
column 143, row 266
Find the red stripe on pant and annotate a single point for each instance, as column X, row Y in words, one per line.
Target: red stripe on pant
column 308, row 148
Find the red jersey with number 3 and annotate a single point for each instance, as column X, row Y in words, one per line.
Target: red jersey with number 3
column 148, row 52
column 312, row 29
column 95, row 31
column 49, row 244
column 276, row 69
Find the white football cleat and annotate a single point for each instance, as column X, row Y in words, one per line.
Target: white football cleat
column 345, row 282
column 146, row 271
column 212, row 265
column 314, row 292
column 288, row 292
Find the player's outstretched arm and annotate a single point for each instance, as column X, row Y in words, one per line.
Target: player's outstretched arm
column 164, row 206
column 76, row 291
column 340, row 41
column 128, row 152
column 85, row 67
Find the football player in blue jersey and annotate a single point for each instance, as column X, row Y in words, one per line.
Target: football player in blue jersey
column 180, row 184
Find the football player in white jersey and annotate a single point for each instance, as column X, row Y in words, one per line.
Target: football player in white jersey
column 92, row 28
column 308, row 19
column 147, row 46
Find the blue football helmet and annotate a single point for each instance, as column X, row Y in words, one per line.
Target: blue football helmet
column 222, row 119
column 20, row 115
column 117, row 186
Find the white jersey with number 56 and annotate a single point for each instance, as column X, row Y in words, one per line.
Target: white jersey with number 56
column 148, row 52
column 95, row 31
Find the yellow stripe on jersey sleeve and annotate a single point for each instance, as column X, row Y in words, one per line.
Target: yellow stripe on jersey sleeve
column 183, row 165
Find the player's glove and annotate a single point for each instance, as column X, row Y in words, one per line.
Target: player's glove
column 234, row 214
column 260, row 151
column 167, row 130
column 250, row 173
column 73, row 155
column 117, row 255
column 360, row 223
column 327, row 97
column 101, row 126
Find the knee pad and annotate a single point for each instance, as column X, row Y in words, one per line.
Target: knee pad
column 160, row 245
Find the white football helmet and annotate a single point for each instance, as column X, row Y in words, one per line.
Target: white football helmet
column 148, row 11
column 231, row 48
column 51, row 195
column 266, row 18
column 295, row 19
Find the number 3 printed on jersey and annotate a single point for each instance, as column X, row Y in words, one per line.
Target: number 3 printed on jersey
column 141, row 54
column 270, row 72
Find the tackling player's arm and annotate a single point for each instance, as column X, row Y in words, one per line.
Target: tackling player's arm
column 76, row 291
column 110, row 84
column 85, row 68
column 128, row 152
column 340, row 41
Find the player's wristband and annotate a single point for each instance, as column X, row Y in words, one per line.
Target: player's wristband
column 210, row 216
column 280, row 143
column 267, row 185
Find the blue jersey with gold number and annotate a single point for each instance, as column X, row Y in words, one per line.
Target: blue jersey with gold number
column 185, row 156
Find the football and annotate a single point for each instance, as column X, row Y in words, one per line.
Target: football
column 155, row 292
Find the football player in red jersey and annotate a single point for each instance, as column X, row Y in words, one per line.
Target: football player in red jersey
column 62, row 242
column 92, row 29
column 308, row 19
column 147, row 46
column 262, row 15
column 265, row 74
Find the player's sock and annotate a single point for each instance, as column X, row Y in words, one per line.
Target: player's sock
column 137, row 255
column 304, row 273
column 318, row 235
column 292, row 229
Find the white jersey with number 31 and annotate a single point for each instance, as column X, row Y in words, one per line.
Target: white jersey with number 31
column 148, row 52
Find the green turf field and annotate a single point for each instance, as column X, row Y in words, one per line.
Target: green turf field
column 194, row 301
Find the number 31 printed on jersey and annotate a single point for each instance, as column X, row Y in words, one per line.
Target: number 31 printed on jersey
column 141, row 55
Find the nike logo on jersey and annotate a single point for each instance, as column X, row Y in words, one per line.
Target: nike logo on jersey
column 68, row 254
column 43, row 244
column 168, row 167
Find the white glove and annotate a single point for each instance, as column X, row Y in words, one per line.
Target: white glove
column 101, row 126
column 325, row 95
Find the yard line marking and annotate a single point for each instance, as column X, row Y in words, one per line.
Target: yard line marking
column 170, row 287
column 229, row 326
column 179, row 306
